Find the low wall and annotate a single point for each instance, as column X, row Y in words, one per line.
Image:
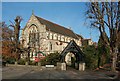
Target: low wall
column 61, row 66
column 41, row 67
column 81, row 66
column 21, row 65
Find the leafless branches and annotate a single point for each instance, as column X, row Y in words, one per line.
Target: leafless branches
column 106, row 17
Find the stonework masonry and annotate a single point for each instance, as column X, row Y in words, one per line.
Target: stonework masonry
column 45, row 36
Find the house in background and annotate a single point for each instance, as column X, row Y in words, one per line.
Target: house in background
column 86, row 42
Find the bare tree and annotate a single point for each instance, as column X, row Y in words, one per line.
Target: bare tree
column 7, row 40
column 16, row 26
column 106, row 17
column 7, row 33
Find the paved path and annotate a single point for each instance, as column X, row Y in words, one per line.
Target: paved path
column 15, row 72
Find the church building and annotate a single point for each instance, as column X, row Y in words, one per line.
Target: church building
column 43, row 36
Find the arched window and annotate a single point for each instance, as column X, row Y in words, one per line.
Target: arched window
column 50, row 46
column 47, row 37
column 62, row 38
column 55, row 36
column 33, row 36
column 58, row 37
column 65, row 39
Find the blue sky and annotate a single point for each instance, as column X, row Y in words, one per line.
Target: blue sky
column 67, row 14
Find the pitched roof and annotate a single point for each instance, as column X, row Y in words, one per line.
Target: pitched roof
column 57, row 28
column 79, row 36
column 86, row 39
column 77, row 50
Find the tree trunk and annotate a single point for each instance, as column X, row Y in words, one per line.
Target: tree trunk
column 99, row 60
column 114, row 59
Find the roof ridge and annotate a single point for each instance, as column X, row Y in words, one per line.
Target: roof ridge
column 53, row 23
column 79, row 35
column 56, row 28
column 75, row 34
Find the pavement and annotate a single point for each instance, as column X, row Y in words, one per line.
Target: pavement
column 20, row 72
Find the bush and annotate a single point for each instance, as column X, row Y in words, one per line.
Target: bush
column 32, row 63
column 91, row 57
column 52, row 58
column 21, row 62
column 3, row 63
column 10, row 60
column 96, row 57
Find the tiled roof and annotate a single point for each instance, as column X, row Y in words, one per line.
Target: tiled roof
column 50, row 26
column 79, row 36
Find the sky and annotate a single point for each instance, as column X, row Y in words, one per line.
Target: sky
column 67, row 14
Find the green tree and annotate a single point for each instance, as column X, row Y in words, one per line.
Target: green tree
column 91, row 56
column 103, row 53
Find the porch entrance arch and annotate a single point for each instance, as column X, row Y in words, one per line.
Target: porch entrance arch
column 73, row 48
